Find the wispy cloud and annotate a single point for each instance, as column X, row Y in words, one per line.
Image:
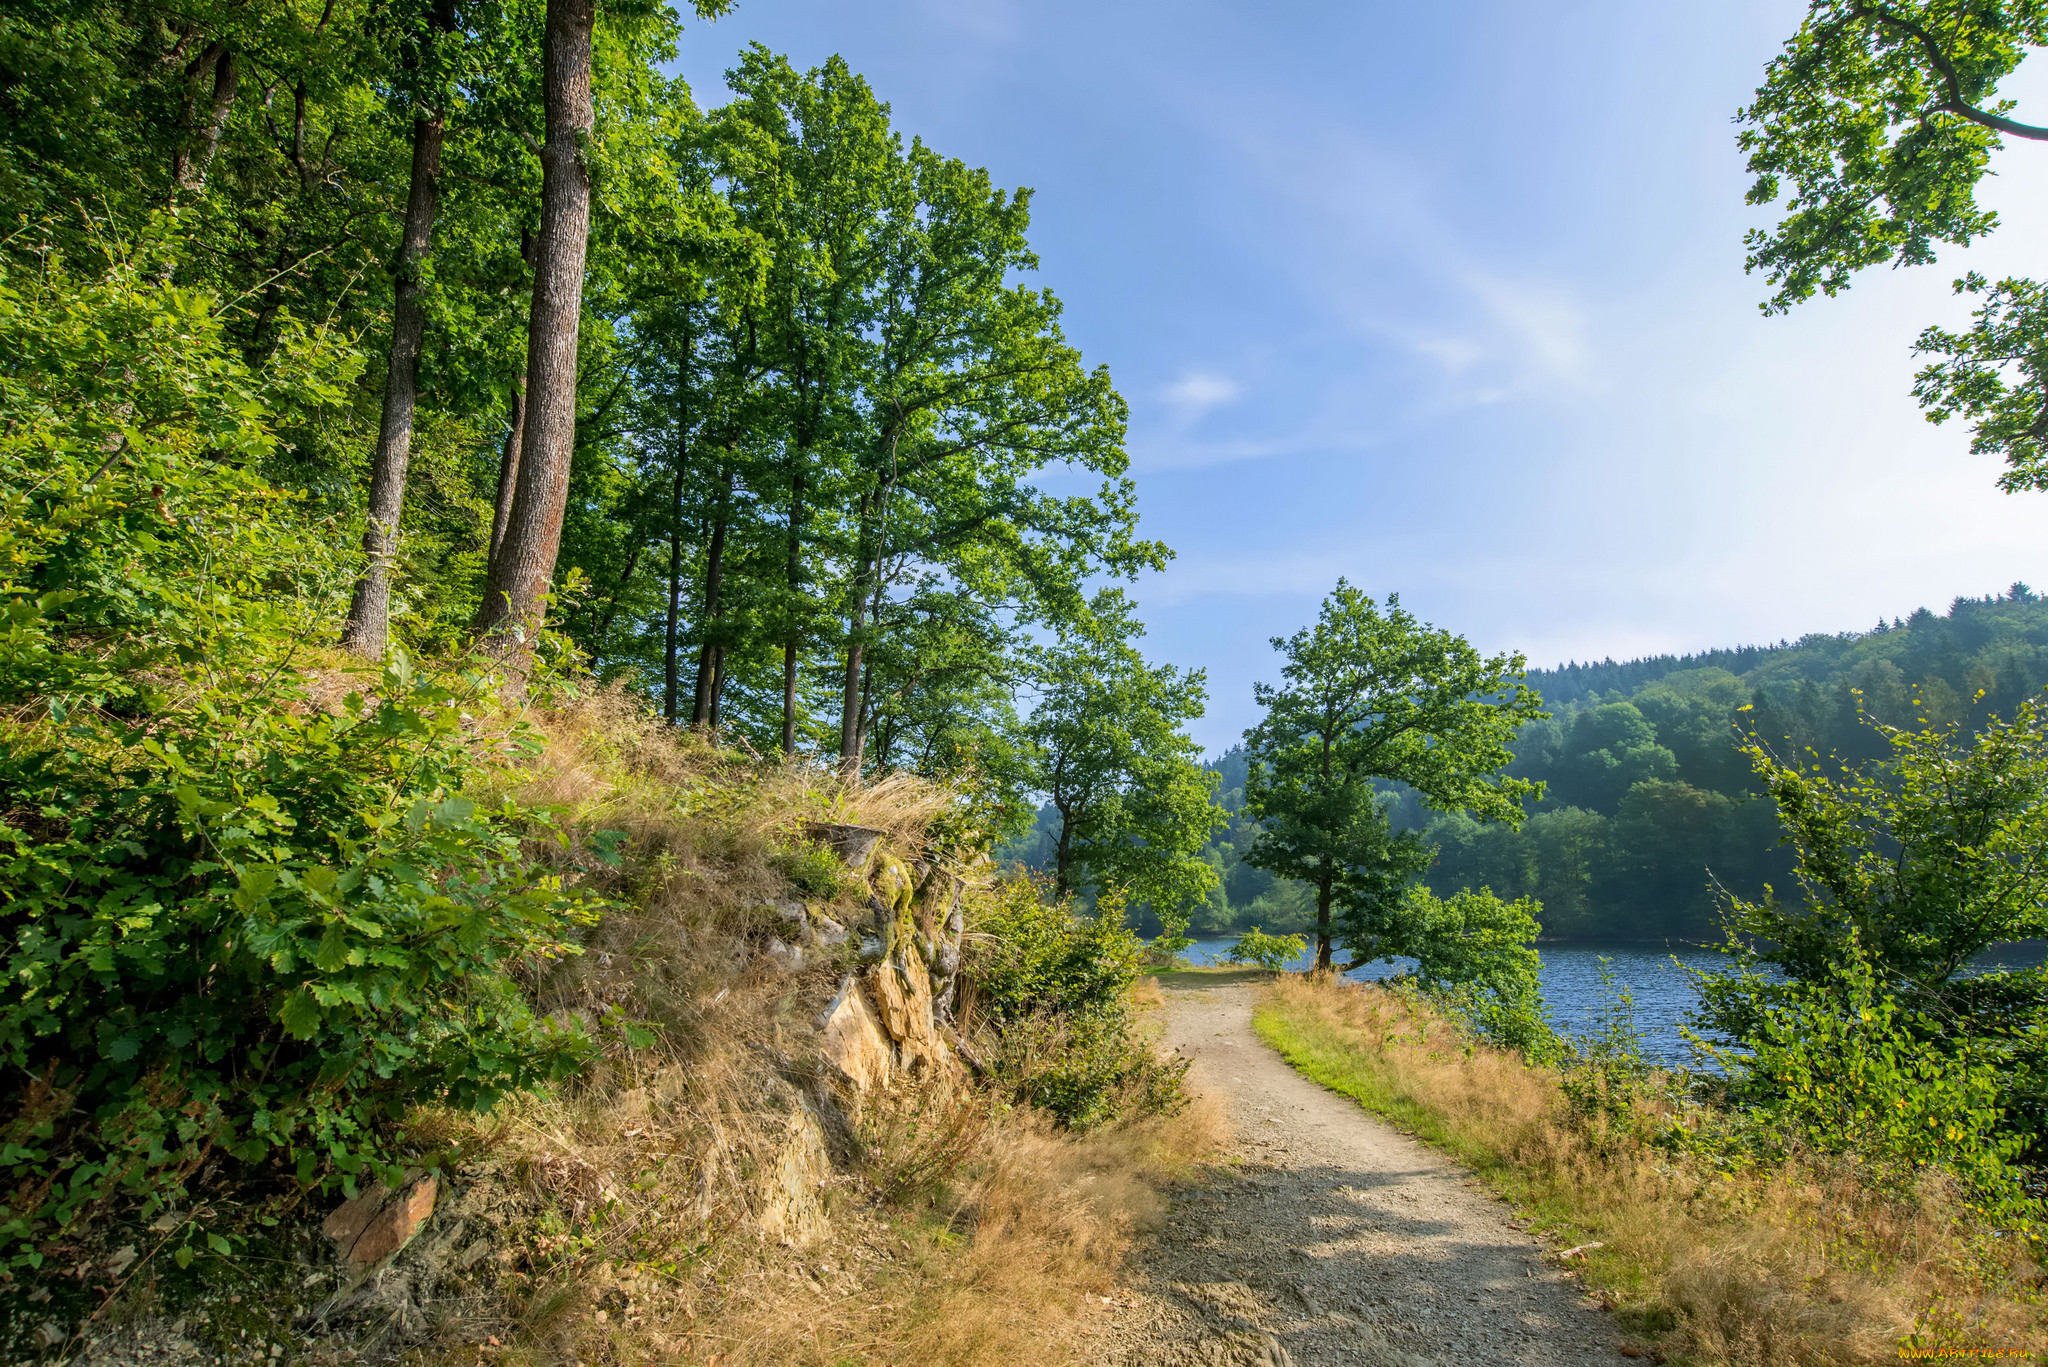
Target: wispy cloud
column 1198, row 391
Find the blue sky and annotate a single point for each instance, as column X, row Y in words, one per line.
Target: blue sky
column 1449, row 299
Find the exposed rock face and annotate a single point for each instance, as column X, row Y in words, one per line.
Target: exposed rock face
column 854, row 1040
column 792, row 1192
column 376, row 1224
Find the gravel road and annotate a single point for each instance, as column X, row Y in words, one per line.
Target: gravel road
column 1338, row 1240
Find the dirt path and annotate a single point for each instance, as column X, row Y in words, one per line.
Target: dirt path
column 1339, row 1240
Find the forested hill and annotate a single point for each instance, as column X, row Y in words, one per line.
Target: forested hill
column 1649, row 801
column 2014, row 617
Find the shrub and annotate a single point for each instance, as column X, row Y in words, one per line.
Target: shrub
column 1270, row 952
column 1057, row 987
column 1472, row 953
column 1839, row 1066
column 234, row 924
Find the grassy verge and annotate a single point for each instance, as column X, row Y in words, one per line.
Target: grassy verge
column 1794, row 1265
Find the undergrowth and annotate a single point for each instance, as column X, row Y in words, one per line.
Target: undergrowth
column 1801, row 1262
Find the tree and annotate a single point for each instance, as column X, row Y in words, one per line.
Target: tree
column 1135, row 807
column 1883, row 118
column 1374, row 694
column 1908, row 867
column 523, row 565
column 369, row 614
column 970, row 389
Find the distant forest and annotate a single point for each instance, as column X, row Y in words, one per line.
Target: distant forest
column 1649, row 804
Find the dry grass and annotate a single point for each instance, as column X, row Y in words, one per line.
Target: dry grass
column 678, row 1204
column 1800, row 1265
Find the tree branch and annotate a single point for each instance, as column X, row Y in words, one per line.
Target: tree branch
column 1955, row 104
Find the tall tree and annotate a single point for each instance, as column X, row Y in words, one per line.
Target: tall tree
column 1135, row 806
column 369, row 614
column 522, row 569
column 1371, row 693
column 971, row 390
column 1883, row 117
column 516, row 588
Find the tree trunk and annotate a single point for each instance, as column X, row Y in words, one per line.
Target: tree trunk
column 1323, row 893
column 1062, row 858
column 611, row 604
column 860, row 733
column 710, row 660
column 190, row 161
column 671, row 700
column 369, row 615
column 508, row 468
column 873, row 553
column 515, row 593
column 794, row 577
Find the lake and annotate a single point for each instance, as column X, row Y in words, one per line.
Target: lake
column 1656, row 974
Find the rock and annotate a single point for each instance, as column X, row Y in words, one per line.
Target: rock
column 854, row 1041
column 903, row 998
column 852, row 843
column 792, row 1204
column 895, row 894
column 375, row 1225
column 825, row 932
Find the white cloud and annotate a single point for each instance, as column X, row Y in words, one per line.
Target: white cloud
column 1198, row 391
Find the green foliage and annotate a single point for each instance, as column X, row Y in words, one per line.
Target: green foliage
column 1270, row 952
column 1111, row 755
column 1087, row 1071
column 1603, row 1072
column 1841, row 1063
column 1883, row 119
column 1908, row 867
column 1040, row 957
column 1057, row 987
column 235, row 922
column 1372, row 694
column 1472, row 954
column 812, row 869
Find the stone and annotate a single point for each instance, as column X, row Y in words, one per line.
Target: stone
column 376, row 1224
column 903, row 998
column 853, row 844
column 854, row 1041
column 792, row 1201
column 825, row 932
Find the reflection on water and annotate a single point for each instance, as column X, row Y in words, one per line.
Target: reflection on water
column 1656, row 975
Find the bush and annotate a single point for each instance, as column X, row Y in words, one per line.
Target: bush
column 1839, row 1066
column 1472, row 954
column 1271, row 952
column 235, row 924
column 1057, row 987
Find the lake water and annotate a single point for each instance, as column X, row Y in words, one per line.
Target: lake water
column 1655, row 974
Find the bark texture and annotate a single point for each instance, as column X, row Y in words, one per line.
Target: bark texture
column 203, row 131
column 369, row 614
column 508, row 467
column 515, row 592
